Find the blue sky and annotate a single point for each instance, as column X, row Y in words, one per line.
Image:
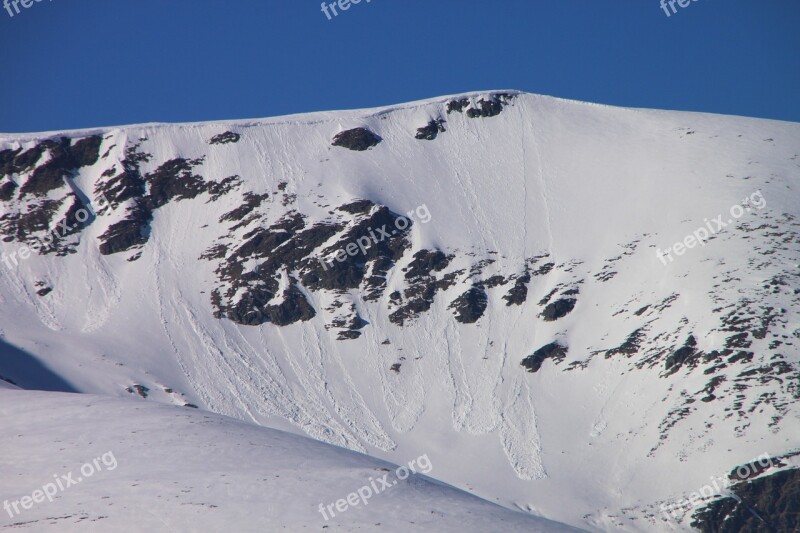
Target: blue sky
column 83, row 63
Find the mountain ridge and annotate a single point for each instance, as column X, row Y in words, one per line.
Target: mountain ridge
column 200, row 275
column 284, row 119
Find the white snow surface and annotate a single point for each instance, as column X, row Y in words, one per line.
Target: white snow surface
column 165, row 468
column 597, row 188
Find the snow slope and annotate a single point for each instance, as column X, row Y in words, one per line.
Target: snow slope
column 201, row 284
column 166, row 468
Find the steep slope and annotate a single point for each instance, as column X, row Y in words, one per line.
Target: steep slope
column 121, row 465
column 483, row 278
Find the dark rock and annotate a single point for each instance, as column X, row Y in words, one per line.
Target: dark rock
column 375, row 282
column 50, row 175
column 251, row 201
column 686, row 355
column 129, row 183
column 470, row 306
column 519, row 292
column 7, row 158
column 294, row 308
column 490, row 283
column 630, row 346
column 555, row 351
column 217, row 189
column 558, row 309
column 423, row 285
column 218, row 251
column 351, row 324
column 457, row 105
column 290, row 246
column 7, row 191
column 754, row 469
column 252, row 309
column 741, row 356
column 484, row 107
column 86, row 152
column 141, row 390
column 431, row 131
column 767, row 504
column 174, row 180
column 24, row 226
column 738, row 341
column 716, row 355
column 348, row 335
column 544, row 269
column 129, row 233
column 29, row 158
column 121, row 188
column 490, row 107
column 350, row 272
column 357, row 207
column 225, row 138
column 425, row 262
column 548, row 296
column 711, row 386
column 412, row 309
column 358, row 139
column 65, row 159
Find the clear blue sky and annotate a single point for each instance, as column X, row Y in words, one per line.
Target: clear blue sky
column 82, row 63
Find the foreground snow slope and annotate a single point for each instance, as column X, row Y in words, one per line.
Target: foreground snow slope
column 536, row 228
column 177, row 469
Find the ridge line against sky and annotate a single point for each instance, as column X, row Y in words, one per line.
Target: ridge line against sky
column 313, row 116
column 95, row 64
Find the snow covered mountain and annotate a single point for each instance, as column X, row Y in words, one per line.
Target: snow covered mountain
column 168, row 469
column 577, row 311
